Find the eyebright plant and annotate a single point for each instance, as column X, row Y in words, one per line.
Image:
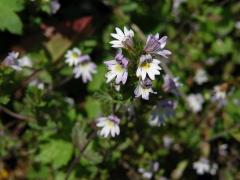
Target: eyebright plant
column 82, row 64
column 134, row 71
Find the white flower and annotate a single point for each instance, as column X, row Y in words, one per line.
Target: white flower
column 69, row 100
column 150, row 171
column 195, row 102
column 143, row 89
column 145, row 174
column 117, row 87
column 167, row 141
column 176, row 5
column 54, row 6
column 72, row 57
column 12, row 61
column 37, row 83
column 154, row 121
column 200, row 76
column 123, row 38
column 210, row 61
column 155, row 46
column 237, row 25
column 85, row 69
column 219, row 95
column 25, row 61
column 117, row 69
column 148, row 66
column 171, row 84
column 109, row 125
column 201, row 166
column 222, row 149
column 213, row 169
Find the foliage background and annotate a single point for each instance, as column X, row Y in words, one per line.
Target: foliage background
column 41, row 131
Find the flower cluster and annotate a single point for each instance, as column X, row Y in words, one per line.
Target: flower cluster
column 137, row 63
column 82, row 64
column 13, row 61
column 145, row 64
column 203, row 166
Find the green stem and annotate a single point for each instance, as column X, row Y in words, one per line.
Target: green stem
column 78, row 157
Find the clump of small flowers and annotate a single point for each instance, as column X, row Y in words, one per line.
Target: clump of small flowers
column 203, row 166
column 136, row 62
column 82, row 64
column 135, row 69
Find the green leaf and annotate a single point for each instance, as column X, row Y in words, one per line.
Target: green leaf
column 56, row 152
column 92, row 156
column 222, row 47
column 57, row 46
column 13, row 5
column 4, row 100
column 79, row 136
column 93, row 108
column 236, row 134
column 98, row 79
column 40, row 173
column 178, row 172
column 12, row 23
column 61, row 176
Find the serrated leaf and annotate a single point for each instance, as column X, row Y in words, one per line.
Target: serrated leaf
column 56, row 152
